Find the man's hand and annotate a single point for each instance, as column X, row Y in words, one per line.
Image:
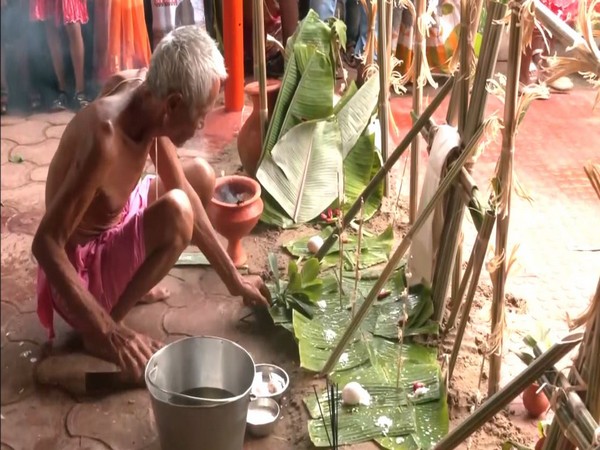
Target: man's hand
column 131, row 351
column 254, row 292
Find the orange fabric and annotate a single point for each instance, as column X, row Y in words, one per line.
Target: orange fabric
column 123, row 42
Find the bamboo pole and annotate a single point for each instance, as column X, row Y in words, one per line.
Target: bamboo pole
column 260, row 64
column 479, row 251
column 387, row 165
column 469, row 120
column 417, row 104
column 462, row 87
column 384, row 89
column 504, row 176
column 503, row 397
column 399, row 253
column 457, row 272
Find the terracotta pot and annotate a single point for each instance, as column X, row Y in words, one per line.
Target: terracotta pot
column 248, row 142
column 234, row 211
column 535, row 404
column 540, row 444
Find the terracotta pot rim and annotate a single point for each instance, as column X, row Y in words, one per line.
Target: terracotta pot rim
column 272, row 85
column 244, row 180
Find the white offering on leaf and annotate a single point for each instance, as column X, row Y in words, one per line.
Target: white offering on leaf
column 354, row 394
column 314, row 244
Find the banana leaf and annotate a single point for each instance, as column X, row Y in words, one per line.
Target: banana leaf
column 432, row 424
column 354, row 116
column 297, row 157
column 313, row 98
column 361, row 164
column 381, row 397
column 363, row 424
column 299, row 172
column 313, row 358
column 374, row 249
column 313, row 31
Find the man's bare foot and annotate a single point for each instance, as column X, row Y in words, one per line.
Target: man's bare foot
column 156, row 294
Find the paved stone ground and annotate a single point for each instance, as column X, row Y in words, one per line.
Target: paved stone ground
column 556, row 233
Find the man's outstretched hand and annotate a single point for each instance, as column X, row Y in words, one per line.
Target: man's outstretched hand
column 131, row 351
column 254, row 292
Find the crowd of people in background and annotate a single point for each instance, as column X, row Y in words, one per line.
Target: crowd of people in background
column 56, row 53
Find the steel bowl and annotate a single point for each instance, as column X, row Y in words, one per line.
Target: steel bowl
column 270, row 381
column 262, row 416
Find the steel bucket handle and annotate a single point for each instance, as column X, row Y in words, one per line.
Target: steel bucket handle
column 215, row 402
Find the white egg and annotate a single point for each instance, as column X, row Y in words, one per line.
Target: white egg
column 354, row 394
column 314, row 244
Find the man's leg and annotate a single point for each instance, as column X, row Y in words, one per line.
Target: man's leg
column 200, row 175
column 167, row 225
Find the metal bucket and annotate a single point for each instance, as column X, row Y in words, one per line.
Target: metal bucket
column 188, row 422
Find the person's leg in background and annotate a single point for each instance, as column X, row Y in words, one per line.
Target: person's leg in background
column 289, row 12
column 4, row 83
column 75, row 14
column 324, row 8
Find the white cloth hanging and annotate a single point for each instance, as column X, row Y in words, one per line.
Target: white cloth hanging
column 426, row 242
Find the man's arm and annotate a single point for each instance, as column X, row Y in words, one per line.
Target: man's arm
column 204, row 237
column 58, row 224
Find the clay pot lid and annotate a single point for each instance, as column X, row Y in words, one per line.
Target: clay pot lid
column 272, row 85
column 250, row 184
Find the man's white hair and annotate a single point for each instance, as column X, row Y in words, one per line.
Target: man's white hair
column 186, row 61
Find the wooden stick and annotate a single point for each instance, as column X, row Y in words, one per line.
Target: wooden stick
column 505, row 182
column 479, row 251
column 457, row 272
column 415, row 149
column 503, row 397
column 384, row 89
column 260, row 56
column 461, row 290
column 399, row 253
column 387, row 166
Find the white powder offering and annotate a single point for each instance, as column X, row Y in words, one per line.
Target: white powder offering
column 260, row 416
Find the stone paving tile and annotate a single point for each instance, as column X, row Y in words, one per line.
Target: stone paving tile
column 122, row 421
column 39, row 174
column 26, row 133
column 7, row 312
column 82, row 443
column 6, row 147
column 44, row 415
column 39, row 153
column 18, row 175
column 26, row 327
column 54, row 118
column 17, row 368
column 26, row 198
column 55, row 131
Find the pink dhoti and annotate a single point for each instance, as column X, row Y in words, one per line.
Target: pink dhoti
column 105, row 265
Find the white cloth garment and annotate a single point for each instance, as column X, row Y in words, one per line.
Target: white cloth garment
column 425, row 244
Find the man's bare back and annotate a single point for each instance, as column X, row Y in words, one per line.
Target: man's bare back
column 104, row 241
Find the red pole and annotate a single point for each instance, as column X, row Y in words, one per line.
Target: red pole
column 233, row 41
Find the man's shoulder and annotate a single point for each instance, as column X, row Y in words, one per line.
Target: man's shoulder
column 92, row 127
